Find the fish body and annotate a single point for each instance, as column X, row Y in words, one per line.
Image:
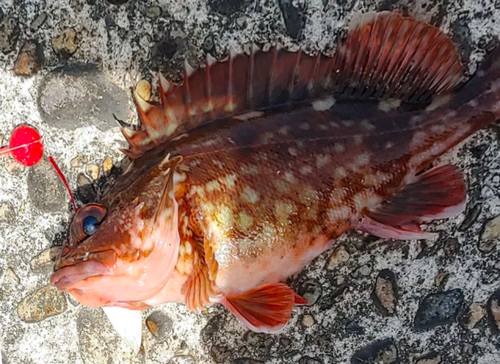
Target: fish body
column 221, row 206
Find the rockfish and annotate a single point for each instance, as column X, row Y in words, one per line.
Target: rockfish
column 257, row 163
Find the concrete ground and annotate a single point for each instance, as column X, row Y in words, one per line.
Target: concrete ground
column 372, row 301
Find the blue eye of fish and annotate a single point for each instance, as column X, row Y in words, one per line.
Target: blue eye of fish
column 90, row 225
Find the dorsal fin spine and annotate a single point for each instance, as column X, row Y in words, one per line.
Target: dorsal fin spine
column 230, row 89
column 272, row 74
column 250, row 76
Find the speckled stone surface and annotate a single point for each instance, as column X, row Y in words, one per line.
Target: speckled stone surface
column 371, row 301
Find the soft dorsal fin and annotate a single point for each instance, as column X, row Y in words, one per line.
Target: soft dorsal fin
column 384, row 55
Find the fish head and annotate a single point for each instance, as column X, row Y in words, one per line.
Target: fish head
column 121, row 255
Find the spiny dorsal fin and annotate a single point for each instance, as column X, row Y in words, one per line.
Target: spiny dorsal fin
column 384, row 55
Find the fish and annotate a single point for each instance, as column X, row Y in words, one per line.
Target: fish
column 253, row 166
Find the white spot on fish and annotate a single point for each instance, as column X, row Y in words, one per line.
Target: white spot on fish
column 339, row 147
column 229, row 180
column 266, row 138
column 282, row 211
column 388, row 105
column 338, row 214
column 337, row 196
column 292, row 151
column 438, row 128
column 250, row 195
column 414, row 120
column 322, row 160
column 324, row 104
column 249, row 169
column 244, row 221
column 305, row 126
column 225, row 216
column 362, row 159
column 358, row 139
column 495, row 86
column 450, row 115
column 419, row 138
column 289, row 177
column 348, row 123
column 305, row 170
column 284, row 130
column 249, row 115
column 367, row 125
column 213, row 186
column 389, row 145
column 340, row 172
column 473, row 103
column 364, row 200
column 438, row 101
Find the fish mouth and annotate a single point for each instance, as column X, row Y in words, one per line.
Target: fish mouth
column 67, row 275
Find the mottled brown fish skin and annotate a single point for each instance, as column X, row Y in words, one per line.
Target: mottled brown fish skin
column 271, row 185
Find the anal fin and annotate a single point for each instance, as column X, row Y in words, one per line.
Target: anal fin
column 437, row 193
column 263, row 309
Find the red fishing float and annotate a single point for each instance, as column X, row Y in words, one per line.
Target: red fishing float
column 26, row 147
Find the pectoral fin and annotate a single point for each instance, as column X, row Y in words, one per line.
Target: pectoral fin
column 264, row 309
column 436, row 194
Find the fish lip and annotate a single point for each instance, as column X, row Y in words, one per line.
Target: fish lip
column 66, row 277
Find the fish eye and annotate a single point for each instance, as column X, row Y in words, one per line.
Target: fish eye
column 90, row 225
column 87, row 221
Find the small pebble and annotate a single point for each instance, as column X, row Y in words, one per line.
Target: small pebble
column 380, row 352
column 385, row 292
column 311, row 291
column 438, row 309
column 9, row 33
column 11, row 277
column 471, row 217
column 38, row 22
column 107, row 165
column 65, row 43
column 338, row 257
column 78, row 161
column 308, row 321
column 220, row 353
column 46, row 302
column 441, row 279
column 364, row 271
column 13, row 167
column 43, row 263
column 208, row 43
column 475, row 312
column 153, row 12
column 159, row 324
column 83, row 180
column 93, row 171
column 433, row 360
column 490, row 235
column 451, row 247
column 143, row 89
column 29, row 59
column 117, row 2
column 493, row 309
column 7, row 213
